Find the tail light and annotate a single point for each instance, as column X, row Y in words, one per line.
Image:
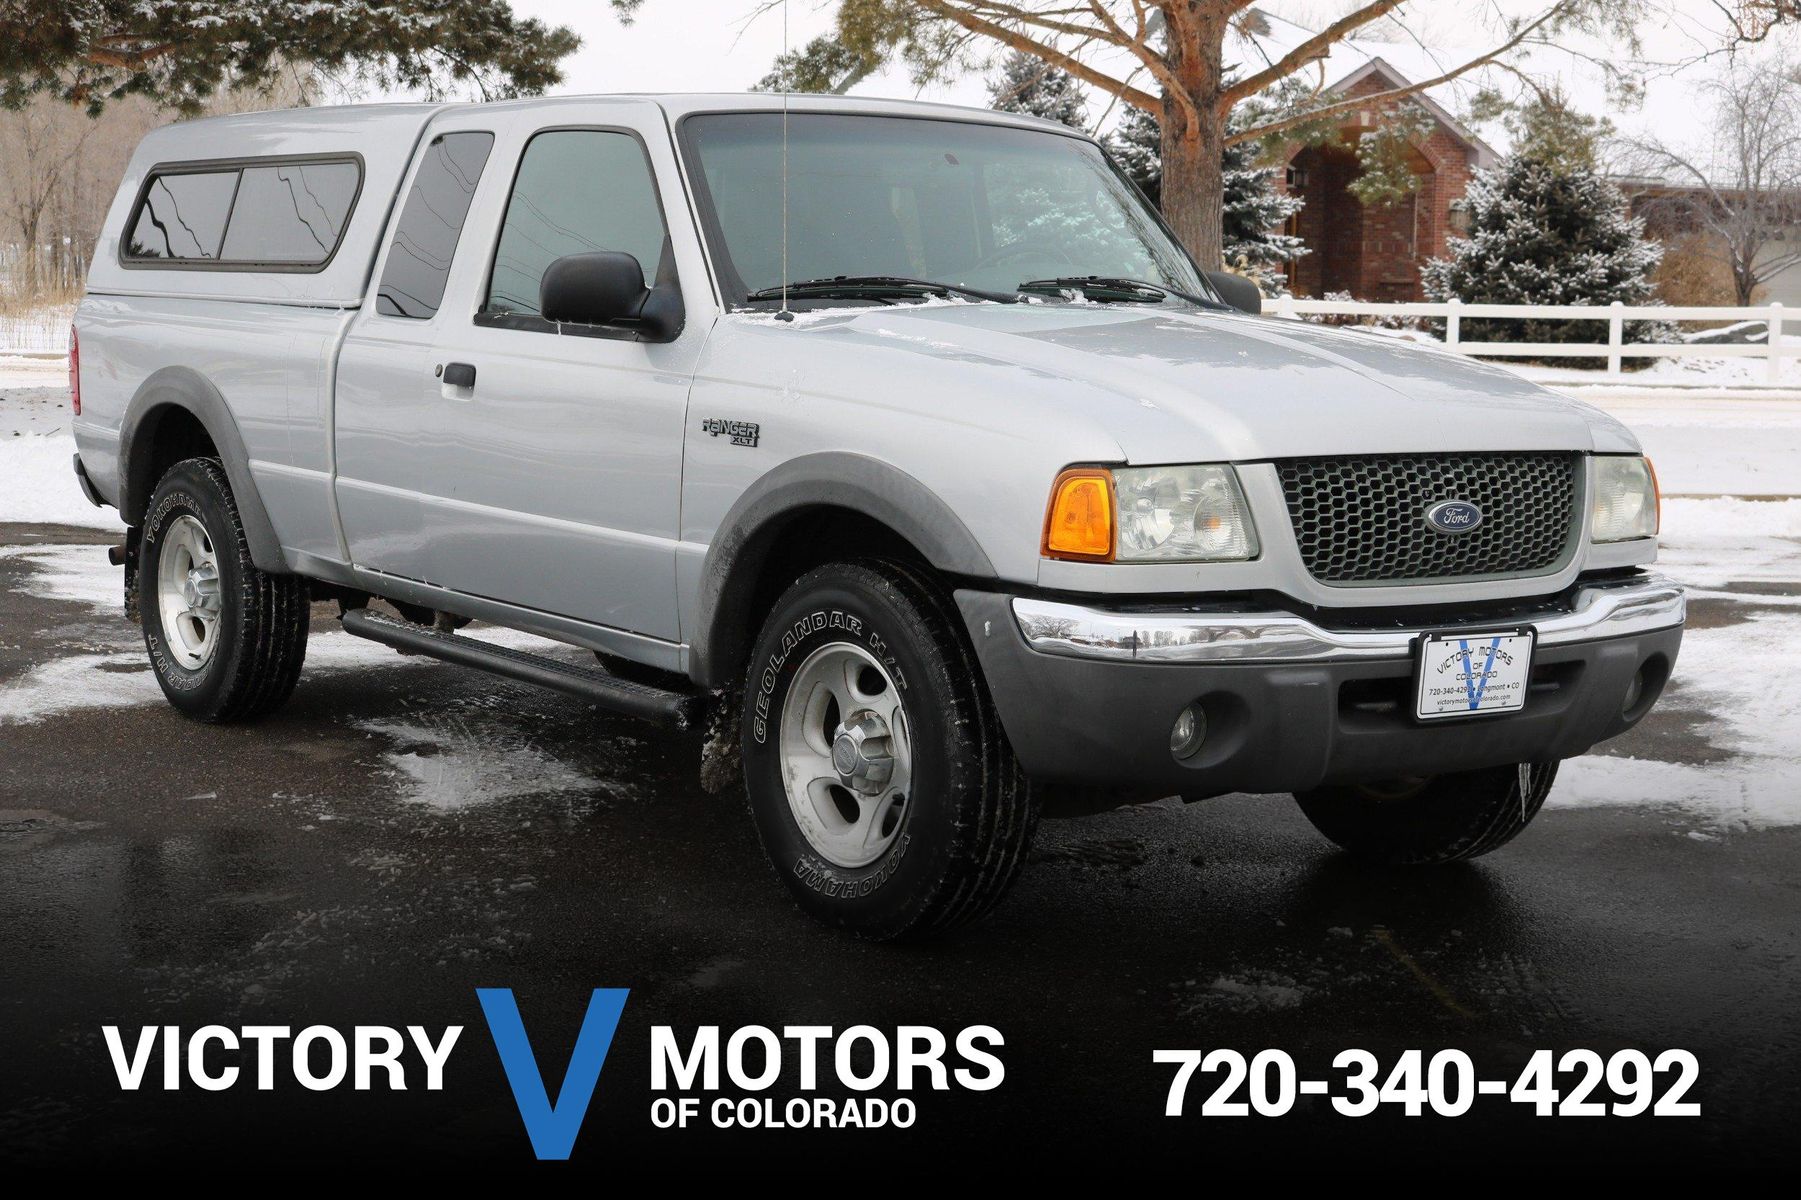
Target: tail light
column 74, row 371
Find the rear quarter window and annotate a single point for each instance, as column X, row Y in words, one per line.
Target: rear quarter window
column 273, row 215
column 431, row 224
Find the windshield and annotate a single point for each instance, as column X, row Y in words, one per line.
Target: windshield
column 978, row 206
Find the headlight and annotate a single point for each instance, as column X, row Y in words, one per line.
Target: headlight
column 1149, row 514
column 1625, row 499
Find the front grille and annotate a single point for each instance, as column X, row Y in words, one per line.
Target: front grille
column 1363, row 520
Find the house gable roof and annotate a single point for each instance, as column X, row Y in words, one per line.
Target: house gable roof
column 1482, row 153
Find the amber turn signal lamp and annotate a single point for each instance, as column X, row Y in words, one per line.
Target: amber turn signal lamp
column 1079, row 524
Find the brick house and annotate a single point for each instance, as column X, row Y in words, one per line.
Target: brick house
column 1375, row 252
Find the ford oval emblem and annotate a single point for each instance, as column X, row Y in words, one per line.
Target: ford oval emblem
column 1453, row 516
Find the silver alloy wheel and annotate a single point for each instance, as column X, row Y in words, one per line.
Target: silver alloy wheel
column 187, row 593
column 847, row 754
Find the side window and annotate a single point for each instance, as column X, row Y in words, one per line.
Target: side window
column 292, row 213
column 425, row 241
column 270, row 215
column 578, row 190
column 183, row 215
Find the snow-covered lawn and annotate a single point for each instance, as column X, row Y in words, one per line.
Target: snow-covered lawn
column 1701, row 372
column 37, row 451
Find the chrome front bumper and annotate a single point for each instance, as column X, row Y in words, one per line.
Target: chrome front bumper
column 1639, row 604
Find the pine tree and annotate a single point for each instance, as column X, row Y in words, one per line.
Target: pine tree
column 1544, row 235
column 1027, row 84
column 179, row 53
column 1254, row 212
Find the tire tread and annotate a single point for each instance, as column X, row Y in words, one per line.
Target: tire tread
column 269, row 649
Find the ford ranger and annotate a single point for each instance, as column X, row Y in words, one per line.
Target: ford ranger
column 900, row 446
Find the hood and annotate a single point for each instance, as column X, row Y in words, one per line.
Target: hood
column 1176, row 385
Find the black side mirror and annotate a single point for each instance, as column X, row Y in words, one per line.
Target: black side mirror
column 1237, row 291
column 606, row 287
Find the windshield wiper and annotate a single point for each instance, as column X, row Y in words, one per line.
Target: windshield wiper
column 1125, row 288
column 878, row 286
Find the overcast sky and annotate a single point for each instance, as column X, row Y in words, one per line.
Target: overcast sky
column 717, row 45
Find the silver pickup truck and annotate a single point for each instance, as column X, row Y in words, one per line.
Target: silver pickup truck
column 900, row 446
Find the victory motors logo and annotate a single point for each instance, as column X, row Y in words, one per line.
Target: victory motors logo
column 740, row 1065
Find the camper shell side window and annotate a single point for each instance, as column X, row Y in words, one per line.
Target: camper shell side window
column 254, row 214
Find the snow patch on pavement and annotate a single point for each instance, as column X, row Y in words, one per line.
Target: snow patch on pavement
column 80, row 574
column 1252, row 991
column 114, row 680
column 449, row 767
column 1747, row 677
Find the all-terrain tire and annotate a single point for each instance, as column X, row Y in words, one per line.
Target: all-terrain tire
column 260, row 644
column 1439, row 820
column 968, row 820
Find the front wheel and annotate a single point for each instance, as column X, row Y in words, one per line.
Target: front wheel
column 882, row 786
column 226, row 639
column 1445, row 818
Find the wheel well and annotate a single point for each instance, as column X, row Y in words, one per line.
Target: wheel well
column 173, row 435
column 778, row 554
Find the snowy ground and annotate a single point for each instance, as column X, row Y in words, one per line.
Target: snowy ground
column 37, row 479
column 1699, row 373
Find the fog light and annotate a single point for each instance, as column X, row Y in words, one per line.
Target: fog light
column 1635, row 691
column 1189, row 731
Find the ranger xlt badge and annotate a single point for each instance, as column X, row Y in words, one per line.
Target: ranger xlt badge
column 742, row 433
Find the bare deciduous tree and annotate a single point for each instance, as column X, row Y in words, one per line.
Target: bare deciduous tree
column 59, row 169
column 1742, row 188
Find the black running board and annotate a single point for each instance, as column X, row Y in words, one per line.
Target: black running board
column 682, row 710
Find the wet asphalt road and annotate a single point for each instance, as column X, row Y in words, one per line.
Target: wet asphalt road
column 154, row 871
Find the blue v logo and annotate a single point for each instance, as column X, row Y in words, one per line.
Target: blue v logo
column 552, row 1127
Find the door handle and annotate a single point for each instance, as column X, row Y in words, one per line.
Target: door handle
column 458, row 375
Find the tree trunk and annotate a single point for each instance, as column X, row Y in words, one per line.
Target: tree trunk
column 1744, row 282
column 1193, row 187
column 28, row 230
column 1194, row 133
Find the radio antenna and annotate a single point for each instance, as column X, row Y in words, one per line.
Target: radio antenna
column 787, row 83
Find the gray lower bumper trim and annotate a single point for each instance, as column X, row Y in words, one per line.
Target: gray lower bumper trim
column 1602, row 610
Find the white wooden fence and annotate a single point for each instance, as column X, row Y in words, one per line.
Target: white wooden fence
column 1614, row 316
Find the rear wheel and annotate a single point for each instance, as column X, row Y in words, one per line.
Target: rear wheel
column 882, row 786
column 226, row 640
column 1440, row 819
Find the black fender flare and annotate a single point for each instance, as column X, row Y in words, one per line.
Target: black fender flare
column 186, row 389
column 831, row 479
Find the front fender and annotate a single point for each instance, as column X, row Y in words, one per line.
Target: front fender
column 832, row 479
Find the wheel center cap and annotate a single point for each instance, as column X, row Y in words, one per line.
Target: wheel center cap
column 861, row 753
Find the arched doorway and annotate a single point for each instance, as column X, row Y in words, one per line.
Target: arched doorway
column 1371, row 252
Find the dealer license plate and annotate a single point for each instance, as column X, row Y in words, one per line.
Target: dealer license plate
column 1471, row 674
